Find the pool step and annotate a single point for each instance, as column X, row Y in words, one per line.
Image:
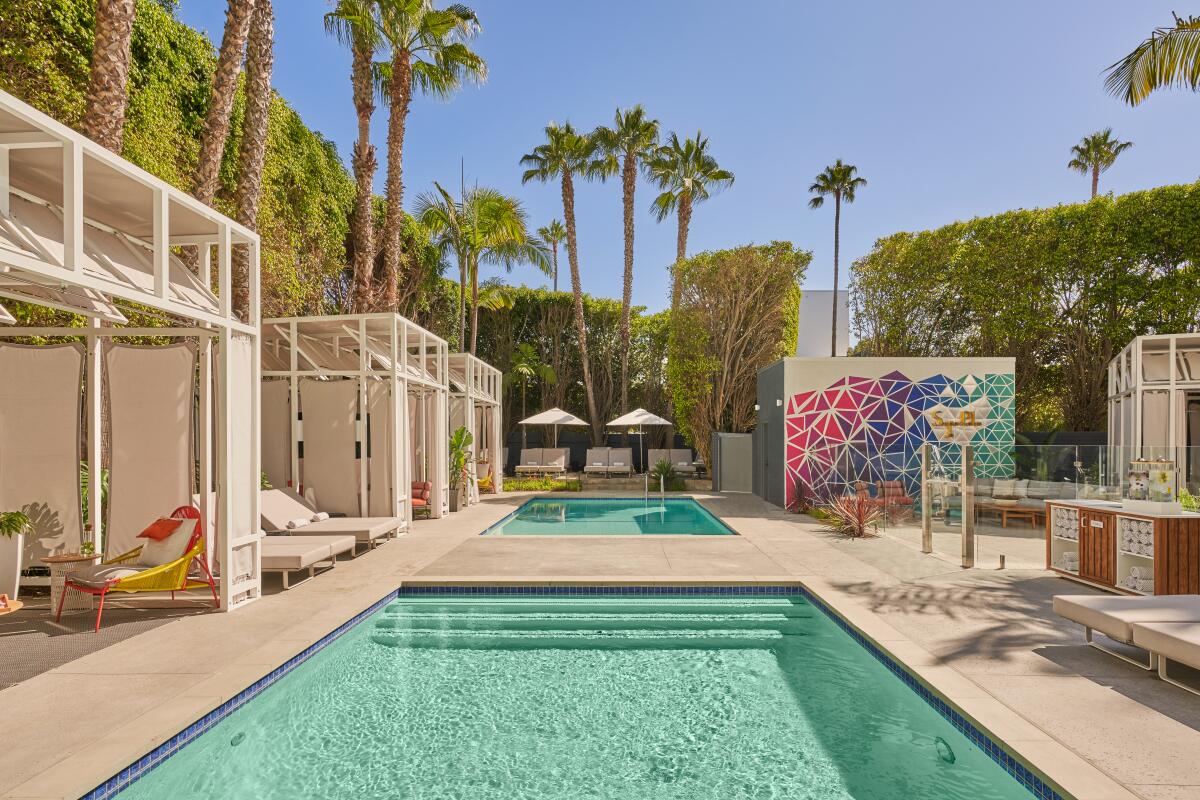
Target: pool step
column 631, row 606
column 547, row 621
column 678, row 639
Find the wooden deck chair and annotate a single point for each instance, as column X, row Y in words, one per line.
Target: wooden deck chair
column 124, row 574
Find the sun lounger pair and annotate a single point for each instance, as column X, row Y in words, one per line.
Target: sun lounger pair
column 609, row 461
column 287, row 554
column 283, row 512
column 1167, row 626
column 680, row 460
column 543, row 461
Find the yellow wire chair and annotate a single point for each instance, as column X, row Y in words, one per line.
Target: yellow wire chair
column 172, row 577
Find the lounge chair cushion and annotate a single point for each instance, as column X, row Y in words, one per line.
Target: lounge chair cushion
column 156, row 552
column 299, row 552
column 364, row 529
column 1178, row 641
column 1114, row 616
column 100, row 574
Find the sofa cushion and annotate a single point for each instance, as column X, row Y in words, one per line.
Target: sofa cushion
column 1004, row 487
column 1043, row 490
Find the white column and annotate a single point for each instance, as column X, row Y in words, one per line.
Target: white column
column 294, row 426
column 363, row 475
column 95, row 428
column 72, row 205
column 161, row 256
column 225, row 446
column 206, row 444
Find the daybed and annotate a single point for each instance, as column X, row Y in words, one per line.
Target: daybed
column 543, row 461
column 1117, row 616
column 680, row 460
column 286, row 554
column 597, row 460
column 283, row 512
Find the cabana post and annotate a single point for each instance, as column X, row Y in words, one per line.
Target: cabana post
column 475, row 403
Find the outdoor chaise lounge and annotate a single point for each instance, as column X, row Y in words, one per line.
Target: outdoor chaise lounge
column 1117, row 617
column 162, row 563
column 597, row 460
column 543, row 461
column 287, row 554
column 620, row 461
column 284, row 513
column 1170, row 641
column 680, row 460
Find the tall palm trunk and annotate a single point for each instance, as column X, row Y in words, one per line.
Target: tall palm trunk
column 474, row 304
column 568, row 198
column 364, row 164
column 628, row 186
column 681, row 237
column 837, row 227
column 400, row 91
column 1095, row 180
column 554, row 250
column 216, row 123
column 259, row 62
column 107, row 98
column 462, row 300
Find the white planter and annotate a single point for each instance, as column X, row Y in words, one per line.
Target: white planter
column 10, row 564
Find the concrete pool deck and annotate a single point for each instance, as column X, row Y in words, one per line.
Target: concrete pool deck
column 985, row 639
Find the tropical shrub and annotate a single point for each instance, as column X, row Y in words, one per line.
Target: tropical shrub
column 460, row 457
column 542, row 485
column 13, row 523
column 852, row 516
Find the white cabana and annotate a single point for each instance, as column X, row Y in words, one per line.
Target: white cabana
column 84, row 231
column 553, row 417
column 319, row 376
column 640, row 418
column 475, row 403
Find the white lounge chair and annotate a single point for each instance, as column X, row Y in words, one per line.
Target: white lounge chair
column 1170, row 641
column 597, row 461
column 655, row 456
column 1116, row 616
column 283, row 512
column 682, row 461
column 531, row 461
column 287, row 554
column 620, row 461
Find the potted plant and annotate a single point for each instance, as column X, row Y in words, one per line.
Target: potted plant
column 460, row 469
column 13, row 527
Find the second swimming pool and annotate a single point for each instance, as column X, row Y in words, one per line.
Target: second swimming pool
column 610, row 516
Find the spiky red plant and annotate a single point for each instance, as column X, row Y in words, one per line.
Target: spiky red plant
column 852, row 516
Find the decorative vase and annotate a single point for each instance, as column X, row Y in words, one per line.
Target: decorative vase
column 11, row 548
column 454, row 495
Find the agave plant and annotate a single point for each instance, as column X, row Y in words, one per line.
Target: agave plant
column 852, row 516
column 14, row 523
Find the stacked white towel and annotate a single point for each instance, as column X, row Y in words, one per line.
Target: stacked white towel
column 1139, row 579
column 1069, row 561
column 1136, row 536
column 320, row 516
column 1066, row 523
column 299, row 522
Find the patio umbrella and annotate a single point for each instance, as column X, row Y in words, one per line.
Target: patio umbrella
column 555, row 417
column 639, row 418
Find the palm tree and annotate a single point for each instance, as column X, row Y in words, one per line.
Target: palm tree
column 1095, row 154
column 225, row 79
column 553, row 235
column 484, row 227
column 565, row 154
column 841, row 181
column 527, row 366
column 259, row 61
column 632, row 139
column 355, row 23
column 687, row 175
column 1170, row 57
column 107, row 97
column 427, row 54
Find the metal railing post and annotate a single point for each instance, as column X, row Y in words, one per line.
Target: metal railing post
column 966, row 480
column 926, row 501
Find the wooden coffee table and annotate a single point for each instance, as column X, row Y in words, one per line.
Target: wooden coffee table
column 1007, row 512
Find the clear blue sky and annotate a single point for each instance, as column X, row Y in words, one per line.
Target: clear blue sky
column 950, row 109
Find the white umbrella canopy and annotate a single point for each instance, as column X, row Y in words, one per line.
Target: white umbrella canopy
column 555, row 417
column 639, row 418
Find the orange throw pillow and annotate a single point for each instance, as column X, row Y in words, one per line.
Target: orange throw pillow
column 160, row 529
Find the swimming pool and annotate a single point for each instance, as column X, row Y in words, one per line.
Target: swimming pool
column 467, row 696
column 610, row 516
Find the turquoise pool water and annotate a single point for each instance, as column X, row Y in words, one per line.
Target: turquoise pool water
column 593, row 697
column 609, row 516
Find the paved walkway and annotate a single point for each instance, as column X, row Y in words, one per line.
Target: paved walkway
column 984, row 638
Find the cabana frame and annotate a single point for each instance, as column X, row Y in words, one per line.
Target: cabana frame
column 84, row 231
column 476, row 403
column 368, row 348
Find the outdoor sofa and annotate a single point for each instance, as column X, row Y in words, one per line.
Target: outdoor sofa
column 609, row 461
column 1167, row 626
column 543, row 461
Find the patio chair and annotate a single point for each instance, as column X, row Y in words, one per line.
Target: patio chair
column 554, row 460
column 894, row 499
column 125, row 573
column 422, row 493
column 282, row 512
column 531, row 461
column 620, row 461
column 655, row 456
column 597, row 461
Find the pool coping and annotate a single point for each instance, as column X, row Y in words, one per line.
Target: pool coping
column 1045, row 767
column 575, row 496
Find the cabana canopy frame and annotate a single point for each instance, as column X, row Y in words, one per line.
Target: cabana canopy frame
column 475, row 403
column 380, row 348
column 84, row 231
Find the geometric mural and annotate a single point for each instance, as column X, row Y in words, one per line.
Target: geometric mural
column 872, row 429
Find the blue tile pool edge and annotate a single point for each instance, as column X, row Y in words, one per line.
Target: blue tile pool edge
column 1038, row 785
column 488, row 531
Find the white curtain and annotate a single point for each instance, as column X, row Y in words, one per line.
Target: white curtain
column 276, row 432
column 330, row 435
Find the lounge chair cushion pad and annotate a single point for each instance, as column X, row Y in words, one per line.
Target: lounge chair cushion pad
column 156, row 552
column 299, row 552
column 1178, row 641
column 101, row 574
column 364, row 529
column 1113, row 615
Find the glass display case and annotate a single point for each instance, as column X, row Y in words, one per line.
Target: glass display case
column 1150, row 485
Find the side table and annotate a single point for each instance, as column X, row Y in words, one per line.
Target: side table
column 62, row 566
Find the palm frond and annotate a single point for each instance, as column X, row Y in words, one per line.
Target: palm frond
column 1169, row 58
